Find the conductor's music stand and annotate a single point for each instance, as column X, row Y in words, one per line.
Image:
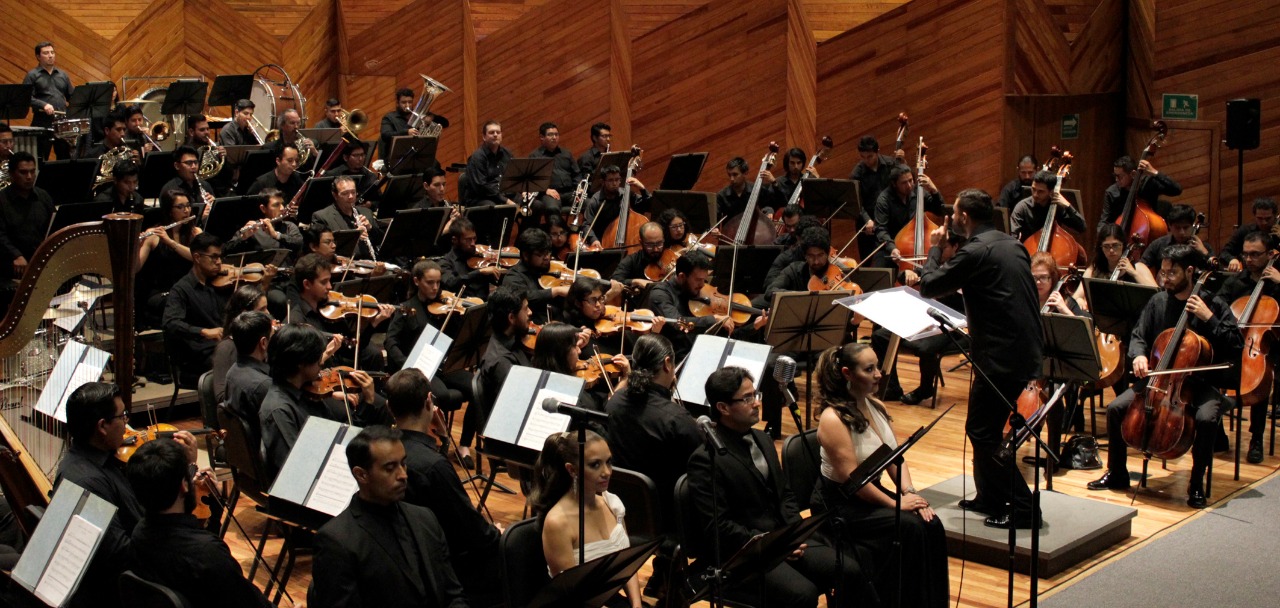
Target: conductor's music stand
column 229, row 88
column 595, row 582
column 15, row 100
column 699, row 208
column 831, row 198
column 184, row 97
column 807, row 323
column 683, row 171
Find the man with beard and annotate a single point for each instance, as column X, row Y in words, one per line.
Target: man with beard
column 670, row 299
column 1013, row 191
column 455, row 274
column 630, row 270
column 1030, row 213
column 605, row 202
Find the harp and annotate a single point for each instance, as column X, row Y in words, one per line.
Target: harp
column 31, row 442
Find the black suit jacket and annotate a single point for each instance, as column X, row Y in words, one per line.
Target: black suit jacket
column 749, row 504
column 358, row 564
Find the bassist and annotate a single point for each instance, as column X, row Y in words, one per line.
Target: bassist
column 1125, row 172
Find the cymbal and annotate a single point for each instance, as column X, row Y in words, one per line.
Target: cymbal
column 140, row 100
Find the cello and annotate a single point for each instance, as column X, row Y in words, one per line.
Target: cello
column 1257, row 314
column 912, row 242
column 1052, row 238
column 624, row 232
column 1035, row 393
column 751, row 227
column 1111, row 347
column 1160, row 422
column 1138, row 217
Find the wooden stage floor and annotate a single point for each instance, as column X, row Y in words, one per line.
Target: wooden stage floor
column 940, row 456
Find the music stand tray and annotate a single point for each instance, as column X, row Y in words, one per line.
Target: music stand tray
column 68, row 181
column 230, row 214
column 91, row 100
column 424, row 154
column 807, row 321
column 526, row 175
column 699, row 208
column 74, row 213
column 872, row 279
column 15, row 100
column 831, row 198
column 593, row 583
column 185, row 97
column 412, row 233
column 683, row 171
column 1116, row 305
column 230, row 88
column 157, row 170
column 236, row 155
column 753, row 264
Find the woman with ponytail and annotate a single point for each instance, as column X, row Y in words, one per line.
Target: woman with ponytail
column 853, row 424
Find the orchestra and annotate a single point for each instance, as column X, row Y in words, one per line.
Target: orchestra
column 294, row 310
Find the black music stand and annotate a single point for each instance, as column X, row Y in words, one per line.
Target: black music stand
column 753, row 264
column 683, row 171
column 489, row 222
column 471, row 340
column 15, row 100
column 70, row 214
column 91, row 100
column 604, row 261
column 229, row 88
column 346, row 242
column 409, row 154
column 699, row 208
column 274, row 257
column 401, row 192
column 872, row 279
column 760, row 555
column 592, row 584
column 319, row 195
column 526, row 177
column 382, row 288
column 807, row 323
column 156, row 171
column 68, row 180
column 412, row 233
column 616, row 158
column 230, row 214
column 184, row 97
column 1116, row 305
column 831, row 198
column 257, row 162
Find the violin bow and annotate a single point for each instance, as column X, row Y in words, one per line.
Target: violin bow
column 603, row 373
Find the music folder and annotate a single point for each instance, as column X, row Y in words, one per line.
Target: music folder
column 593, row 583
column 429, row 351
column 62, row 546
column 316, row 474
column 902, row 311
column 710, row 353
column 518, row 418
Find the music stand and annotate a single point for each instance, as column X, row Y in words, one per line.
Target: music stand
column 872, row 279
column 315, row 479
column 230, row 214
column 760, row 555
column 489, row 221
column 61, row 548
column 1115, row 305
column 323, row 137
column 157, row 170
column 91, row 100
column 617, row 158
column 526, row 176
column 591, row 584
column 683, row 171
column 229, row 88
column 699, row 208
column 710, row 353
column 346, row 242
column 412, row 233
column 807, row 323
column 411, row 154
column 15, row 100
column 236, row 155
column 257, row 162
column 401, row 192
column 184, row 97
column 319, row 195
column 74, row 213
column 68, row 180
column 470, row 341
column 831, row 198
column 1070, row 350
column 274, row 257
column 604, row 261
column 753, row 264
column 380, row 287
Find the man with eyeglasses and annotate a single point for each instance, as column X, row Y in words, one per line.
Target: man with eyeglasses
column 193, row 311
column 345, row 214
column 1125, row 171
column 1264, row 220
column 187, row 163
column 1181, row 219
column 284, row 177
column 631, row 270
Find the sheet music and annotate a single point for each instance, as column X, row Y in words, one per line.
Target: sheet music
column 68, row 561
column 542, row 423
column 756, row 368
column 335, row 485
column 902, row 311
column 77, row 364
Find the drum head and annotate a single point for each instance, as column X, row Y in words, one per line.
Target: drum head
column 263, row 95
column 152, row 112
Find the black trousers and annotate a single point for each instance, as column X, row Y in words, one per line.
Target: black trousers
column 929, row 350
column 998, row 480
column 1207, row 403
column 1258, row 410
column 797, row 583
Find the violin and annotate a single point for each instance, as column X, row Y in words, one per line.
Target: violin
column 249, row 273
column 134, row 438
column 1111, row 348
column 592, row 369
column 834, row 278
column 450, row 302
column 486, row 256
column 639, row 321
column 912, row 241
column 560, row 275
column 335, row 379
column 1257, row 314
column 364, row 305
column 624, row 232
column 751, row 227
column 367, row 267
column 1160, row 421
column 1052, row 238
column 530, row 339
column 1138, row 217
column 710, row 301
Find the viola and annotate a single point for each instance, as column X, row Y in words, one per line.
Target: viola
column 834, row 278
column 592, row 369
column 912, row 241
column 450, row 302
column 365, row 267
column 560, row 275
column 639, row 321
column 810, row 171
column 751, row 227
column 487, row 256
column 335, row 379
column 624, row 232
column 1257, row 314
column 1052, row 238
column 1111, row 348
column 134, row 438
column 364, row 305
column 1137, row 216
column 530, row 339
column 1160, row 421
column 249, row 273
column 710, row 301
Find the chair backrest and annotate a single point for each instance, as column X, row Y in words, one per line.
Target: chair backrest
column 134, row 591
column 523, row 562
column 244, row 456
column 644, row 510
column 801, row 469
column 208, row 400
column 688, row 527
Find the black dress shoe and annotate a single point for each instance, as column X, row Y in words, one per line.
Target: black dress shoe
column 1021, row 521
column 977, row 507
column 893, row 393
column 468, row 463
column 1110, row 481
column 1255, row 451
column 1196, row 499
column 916, row 396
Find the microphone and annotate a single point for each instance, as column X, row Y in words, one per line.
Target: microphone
column 784, row 371
column 709, row 430
column 941, row 319
column 579, row 414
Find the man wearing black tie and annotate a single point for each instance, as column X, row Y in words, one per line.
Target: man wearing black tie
column 50, row 92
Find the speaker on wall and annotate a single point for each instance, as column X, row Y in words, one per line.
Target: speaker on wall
column 1244, row 124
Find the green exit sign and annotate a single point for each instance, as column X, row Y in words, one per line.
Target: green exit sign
column 1178, row 106
column 1070, row 126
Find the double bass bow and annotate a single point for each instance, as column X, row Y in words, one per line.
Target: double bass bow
column 1138, row 217
column 912, row 242
column 624, row 232
column 1052, row 238
column 751, row 227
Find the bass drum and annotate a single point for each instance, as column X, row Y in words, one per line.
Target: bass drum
column 152, row 112
column 270, row 99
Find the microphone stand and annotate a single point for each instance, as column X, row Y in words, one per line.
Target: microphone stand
column 714, row 576
column 582, row 499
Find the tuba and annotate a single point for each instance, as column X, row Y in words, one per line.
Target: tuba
column 108, row 161
column 431, row 89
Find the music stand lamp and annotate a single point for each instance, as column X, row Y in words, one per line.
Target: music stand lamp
column 15, row 100
column 807, row 323
column 184, row 97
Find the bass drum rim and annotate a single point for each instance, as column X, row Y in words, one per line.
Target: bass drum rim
column 152, row 112
column 275, row 98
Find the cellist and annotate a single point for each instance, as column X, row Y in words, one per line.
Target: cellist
column 604, row 203
column 1179, row 265
column 1029, row 214
column 1253, row 253
column 1125, row 172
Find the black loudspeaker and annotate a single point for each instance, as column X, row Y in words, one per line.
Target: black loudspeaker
column 1244, row 123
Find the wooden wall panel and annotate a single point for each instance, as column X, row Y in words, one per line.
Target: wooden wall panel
column 279, row 17
column 1098, row 50
column 644, row 16
column 802, row 79
column 871, row 73
column 566, row 62
column 358, row 15
column 310, row 56
column 830, row 18
column 105, row 19
column 1071, row 15
column 222, row 41
column 1041, row 55
column 154, row 43
column 82, row 54
column 489, row 16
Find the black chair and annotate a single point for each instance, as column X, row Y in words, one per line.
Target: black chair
column 209, row 412
column 172, row 348
column 523, row 562
column 134, row 591
column 690, row 532
column 802, row 470
column 644, row 511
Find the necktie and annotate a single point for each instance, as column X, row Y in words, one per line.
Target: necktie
column 757, row 456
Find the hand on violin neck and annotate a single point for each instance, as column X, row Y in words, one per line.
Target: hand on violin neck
column 188, row 443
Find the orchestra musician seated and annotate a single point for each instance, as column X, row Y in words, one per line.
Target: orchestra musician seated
column 169, row 546
column 159, row 268
column 852, row 426
column 555, row 500
column 186, row 161
column 675, row 227
column 288, row 123
column 448, row 389
column 1029, row 214
column 1209, row 319
column 790, row 254
column 434, row 185
column 670, row 299
column 602, row 208
column 284, row 177
column 97, row 420
column 295, row 354
column 559, row 349
column 432, row 483
column 114, row 128
column 273, row 231
column 313, row 277
column 793, row 166
column 558, row 229
column 1264, row 220
column 584, row 307
column 1045, row 273
column 631, row 270
column 873, row 171
column 564, row 172
column 332, row 112
column 7, row 144
column 345, row 214
column 382, row 550
column 1108, row 257
column 1125, row 172
column 1016, row 190
column 193, row 312
column 456, row 275
column 123, row 190
column 239, row 132
column 1182, row 231
column 249, row 378
column 197, row 135
column 396, row 123
column 535, row 261
column 354, row 165
column 137, row 137
column 732, row 200
column 509, row 321
column 485, row 167
column 601, row 138
column 747, row 494
column 246, row 298
column 25, row 213
column 896, row 206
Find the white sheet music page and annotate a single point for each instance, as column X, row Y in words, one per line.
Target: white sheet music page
column 335, row 486
column 428, row 360
column 756, row 368
column 902, row 311
column 68, row 562
column 542, row 423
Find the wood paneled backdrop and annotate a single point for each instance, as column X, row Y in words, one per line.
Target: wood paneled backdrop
column 984, row 81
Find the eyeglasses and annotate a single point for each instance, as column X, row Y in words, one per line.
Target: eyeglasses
column 182, row 207
column 191, row 163
column 675, row 226
column 1252, row 254
column 211, row 256
column 1042, row 278
column 1113, row 246
column 752, row 398
column 122, row 416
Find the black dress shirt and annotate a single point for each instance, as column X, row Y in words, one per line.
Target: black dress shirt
column 871, row 182
column 785, row 259
column 290, row 238
column 288, row 187
column 394, row 124
column 1028, row 218
column 192, row 191
column 455, row 274
column 632, row 266
column 606, row 205
column 795, row 277
column 1114, row 198
column 1151, row 255
column 484, row 174
column 564, row 170
column 285, row 410
column 1235, row 243
column 729, row 204
column 651, row 434
column 433, row 484
column 503, row 354
column 1240, row 285
column 1162, row 312
column 524, row 278
column 173, row 550
column 404, row 330
column 1011, row 193
column 1000, row 300
column 24, row 221
column 133, row 204
column 248, row 381
column 588, row 161
column 892, row 213
column 232, row 135
column 103, row 475
column 49, row 87
column 190, row 307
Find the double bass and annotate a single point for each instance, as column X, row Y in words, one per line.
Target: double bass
column 811, row 171
column 1052, row 238
column 1137, row 216
column 1160, row 422
column 624, row 232
column 752, row 227
column 912, row 241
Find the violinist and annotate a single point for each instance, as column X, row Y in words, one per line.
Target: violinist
column 509, row 321
column 1254, row 249
column 558, row 229
column 787, row 227
column 732, row 200
column 313, row 277
column 284, row 177
column 1178, row 269
column 249, row 377
column 344, row 214
column 559, row 349
column 605, row 202
column 1125, row 172
column 1264, row 219
column 896, row 206
column 450, row 390
column 96, row 424
column 631, row 270
column 815, row 246
column 585, row 307
column 246, row 298
column 675, row 227
column 1181, row 220
column 1015, row 190
column 535, row 261
column 168, row 546
column 992, row 270
column 193, row 312
column 271, row 232
column 1029, row 214
column 670, row 300
column 455, row 274
column 294, row 354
